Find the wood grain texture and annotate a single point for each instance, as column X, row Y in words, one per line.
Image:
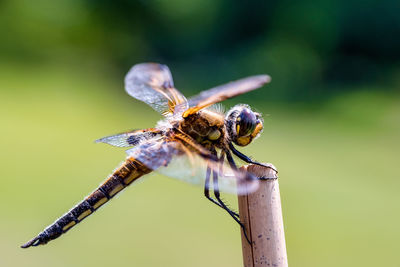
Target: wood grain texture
column 261, row 213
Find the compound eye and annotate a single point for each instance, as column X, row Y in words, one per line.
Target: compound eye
column 246, row 122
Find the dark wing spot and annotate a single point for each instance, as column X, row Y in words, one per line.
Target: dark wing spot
column 133, row 140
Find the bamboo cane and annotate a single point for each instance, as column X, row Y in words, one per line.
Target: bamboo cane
column 261, row 214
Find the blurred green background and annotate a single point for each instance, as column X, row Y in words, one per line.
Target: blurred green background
column 332, row 126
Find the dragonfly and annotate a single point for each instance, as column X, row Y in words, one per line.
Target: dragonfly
column 194, row 142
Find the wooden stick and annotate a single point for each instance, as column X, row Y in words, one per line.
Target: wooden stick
column 261, row 214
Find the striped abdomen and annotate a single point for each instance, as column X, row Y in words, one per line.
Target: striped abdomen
column 128, row 172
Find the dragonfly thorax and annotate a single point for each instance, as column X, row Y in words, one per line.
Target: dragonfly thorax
column 204, row 126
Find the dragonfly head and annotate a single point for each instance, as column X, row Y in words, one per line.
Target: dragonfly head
column 243, row 124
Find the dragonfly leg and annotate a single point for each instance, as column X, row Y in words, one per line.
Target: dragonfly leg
column 233, row 166
column 246, row 158
column 207, row 192
column 217, row 196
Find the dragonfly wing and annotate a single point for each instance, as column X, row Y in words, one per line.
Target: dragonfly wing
column 152, row 83
column 153, row 153
column 175, row 160
column 131, row 138
column 223, row 92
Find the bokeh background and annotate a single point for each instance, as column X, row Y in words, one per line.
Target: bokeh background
column 332, row 126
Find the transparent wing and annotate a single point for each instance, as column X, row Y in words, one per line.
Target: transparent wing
column 222, row 92
column 152, row 83
column 131, row 138
column 175, row 160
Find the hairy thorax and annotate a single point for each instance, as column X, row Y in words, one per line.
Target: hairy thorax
column 206, row 127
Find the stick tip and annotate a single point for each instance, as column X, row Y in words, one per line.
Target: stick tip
column 264, row 171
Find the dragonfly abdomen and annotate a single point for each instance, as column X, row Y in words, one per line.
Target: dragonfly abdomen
column 128, row 172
